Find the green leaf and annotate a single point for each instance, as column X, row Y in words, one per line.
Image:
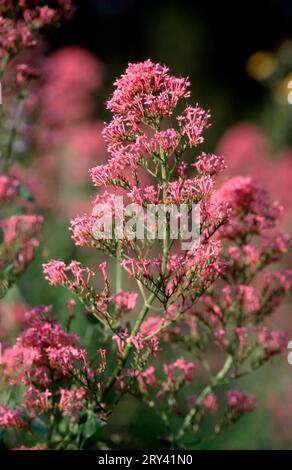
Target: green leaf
column 92, row 425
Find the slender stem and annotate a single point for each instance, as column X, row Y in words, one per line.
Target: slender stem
column 148, row 302
column 127, row 350
column 4, row 64
column 16, row 120
column 214, row 382
column 119, row 273
column 119, row 269
column 166, row 227
column 141, row 288
column 51, row 430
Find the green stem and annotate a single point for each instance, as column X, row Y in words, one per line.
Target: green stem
column 119, row 269
column 123, row 359
column 4, row 64
column 148, row 303
column 214, row 382
column 51, row 430
column 166, row 227
column 9, row 152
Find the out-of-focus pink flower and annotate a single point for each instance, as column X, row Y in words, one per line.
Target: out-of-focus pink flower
column 175, row 372
column 24, row 73
column 71, row 401
column 27, row 225
column 253, row 210
column 8, row 187
column 125, row 301
column 248, row 298
column 85, row 140
column 41, row 347
column 279, row 406
column 148, row 376
column 210, row 402
column 273, row 342
column 151, row 325
column 11, row 418
column 11, row 317
column 240, row 401
column 67, row 136
column 72, row 76
column 17, row 24
column 246, row 151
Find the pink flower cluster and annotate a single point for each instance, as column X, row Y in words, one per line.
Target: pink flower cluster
column 24, row 74
column 41, row 347
column 56, row 273
column 194, row 270
column 146, row 90
column 192, row 123
column 145, row 93
column 248, row 153
column 178, row 370
column 8, row 187
column 217, row 294
column 20, row 226
column 210, row 164
column 45, row 359
column 11, row 418
column 77, row 279
column 144, row 341
column 248, row 293
column 19, row 243
column 125, row 301
column 273, row 342
column 210, row 403
column 241, row 402
column 18, row 22
column 253, row 209
column 71, row 401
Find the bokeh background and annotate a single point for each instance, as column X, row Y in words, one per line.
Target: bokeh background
column 239, row 59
